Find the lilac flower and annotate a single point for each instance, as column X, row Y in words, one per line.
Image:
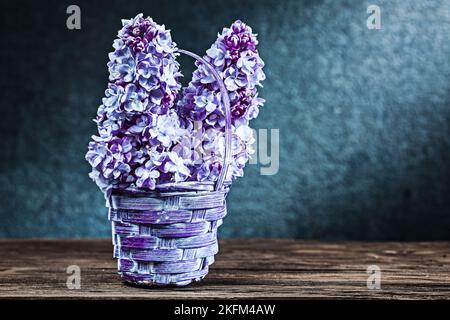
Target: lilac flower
column 122, row 65
column 177, row 166
column 216, row 119
column 207, row 101
column 121, row 148
column 97, row 154
column 140, row 155
column 113, row 98
column 234, row 79
column 116, row 166
column 148, row 69
column 253, row 108
column 251, row 65
column 245, row 135
column 147, row 176
column 202, row 76
column 110, row 160
column 156, row 96
column 209, row 171
column 149, row 84
column 167, row 129
column 108, row 128
column 190, row 146
column 245, row 102
column 164, row 42
column 134, row 99
column 236, row 59
column 149, row 133
column 138, row 32
column 148, row 65
column 217, row 55
column 142, row 127
column 135, row 126
column 171, row 74
column 156, row 157
column 239, row 37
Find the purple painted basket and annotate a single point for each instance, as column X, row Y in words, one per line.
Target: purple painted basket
column 169, row 236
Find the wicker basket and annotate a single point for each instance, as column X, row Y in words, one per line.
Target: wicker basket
column 169, row 236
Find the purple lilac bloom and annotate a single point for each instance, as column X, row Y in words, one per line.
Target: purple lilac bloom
column 235, row 57
column 149, row 133
column 147, row 175
column 137, row 124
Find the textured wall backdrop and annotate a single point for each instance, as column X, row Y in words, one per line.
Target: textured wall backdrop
column 364, row 115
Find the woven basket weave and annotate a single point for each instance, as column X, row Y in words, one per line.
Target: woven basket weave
column 169, row 236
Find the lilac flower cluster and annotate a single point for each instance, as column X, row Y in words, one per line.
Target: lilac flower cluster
column 235, row 57
column 149, row 133
column 137, row 124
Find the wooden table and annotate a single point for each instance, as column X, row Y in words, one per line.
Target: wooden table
column 251, row 269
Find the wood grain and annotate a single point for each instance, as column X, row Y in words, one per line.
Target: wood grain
column 250, row 269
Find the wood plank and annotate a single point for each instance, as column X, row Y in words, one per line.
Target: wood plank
column 250, row 269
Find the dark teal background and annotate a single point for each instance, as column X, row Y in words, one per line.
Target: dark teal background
column 364, row 115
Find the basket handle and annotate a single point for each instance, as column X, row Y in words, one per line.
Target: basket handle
column 226, row 104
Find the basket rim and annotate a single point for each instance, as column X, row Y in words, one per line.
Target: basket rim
column 169, row 187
